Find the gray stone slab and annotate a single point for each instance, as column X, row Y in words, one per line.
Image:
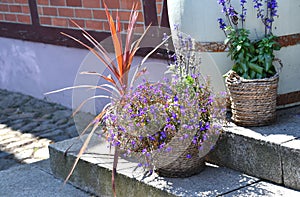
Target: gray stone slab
column 290, row 152
column 249, row 152
column 288, row 121
column 29, row 180
column 6, row 163
column 93, row 173
column 263, row 188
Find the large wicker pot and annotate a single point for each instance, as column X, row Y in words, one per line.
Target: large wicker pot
column 183, row 160
column 179, row 165
column 253, row 102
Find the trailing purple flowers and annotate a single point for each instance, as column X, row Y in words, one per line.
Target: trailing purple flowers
column 153, row 115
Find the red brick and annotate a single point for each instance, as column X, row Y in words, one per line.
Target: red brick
column 112, row 4
column 49, row 11
column 4, row 8
column 95, row 25
column 140, row 17
column 99, row 14
column 75, row 3
column 45, row 20
column 124, row 15
column 91, row 3
column 24, row 19
column 43, row 2
column 15, row 8
column 10, row 17
column 25, row 10
column 83, row 13
column 60, row 22
column 125, row 4
column 7, row 1
column 1, row 17
column 58, row 2
column 106, row 27
column 80, row 22
column 66, row 12
column 159, row 8
column 21, row 1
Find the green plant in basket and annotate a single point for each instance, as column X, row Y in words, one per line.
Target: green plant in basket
column 253, row 59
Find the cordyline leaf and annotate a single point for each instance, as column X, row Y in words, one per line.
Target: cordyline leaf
column 88, row 99
column 132, row 20
column 116, row 42
column 144, row 60
column 135, row 48
column 84, row 146
column 92, row 40
column 119, row 28
column 95, row 53
column 73, row 87
column 107, row 59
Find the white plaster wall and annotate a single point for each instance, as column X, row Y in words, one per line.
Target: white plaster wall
column 199, row 19
column 35, row 68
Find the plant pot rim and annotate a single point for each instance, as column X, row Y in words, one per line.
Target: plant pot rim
column 233, row 77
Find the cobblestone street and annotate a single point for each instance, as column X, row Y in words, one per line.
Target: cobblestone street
column 28, row 125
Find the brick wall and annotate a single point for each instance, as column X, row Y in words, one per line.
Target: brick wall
column 89, row 14
column 15, row 11
column 43, row 20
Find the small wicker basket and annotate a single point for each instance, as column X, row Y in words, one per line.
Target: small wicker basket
column 253, row 101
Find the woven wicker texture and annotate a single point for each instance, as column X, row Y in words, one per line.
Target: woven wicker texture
column 253, row 102
column 178, row 164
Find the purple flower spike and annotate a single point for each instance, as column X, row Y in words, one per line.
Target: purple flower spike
column 221, row 23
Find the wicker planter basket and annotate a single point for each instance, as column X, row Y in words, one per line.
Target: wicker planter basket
column 253, row 102
column 178, row 165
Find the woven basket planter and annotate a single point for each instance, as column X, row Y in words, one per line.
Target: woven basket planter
column 253, row 102
column 178, row 165
column 175, row 163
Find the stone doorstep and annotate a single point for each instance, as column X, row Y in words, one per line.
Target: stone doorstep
column 93, row 174
column 271, row 157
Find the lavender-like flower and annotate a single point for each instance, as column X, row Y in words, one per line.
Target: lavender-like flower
column 222, row 23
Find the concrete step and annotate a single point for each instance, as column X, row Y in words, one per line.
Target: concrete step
column 35, row 180
column 93, row 174
column 270, row 152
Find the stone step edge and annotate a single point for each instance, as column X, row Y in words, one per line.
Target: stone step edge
column 93, row 177
column 93, row 174
column 276, row 159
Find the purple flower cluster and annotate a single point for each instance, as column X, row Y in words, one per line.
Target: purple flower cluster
column 266, row 11
column 153, row 114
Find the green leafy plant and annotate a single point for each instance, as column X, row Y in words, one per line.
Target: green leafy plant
column 253, row 59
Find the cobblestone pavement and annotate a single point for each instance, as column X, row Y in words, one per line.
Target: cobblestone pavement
column 28, row 125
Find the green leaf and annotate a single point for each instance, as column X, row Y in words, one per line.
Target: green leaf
column 252, row 74
column 226, row 41
column 256, row 68
column 244, row 67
